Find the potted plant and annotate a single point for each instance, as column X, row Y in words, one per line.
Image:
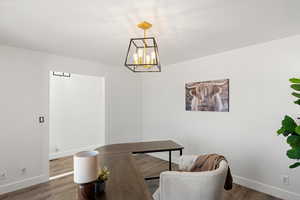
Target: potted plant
column 290, row 129
column 100, row 182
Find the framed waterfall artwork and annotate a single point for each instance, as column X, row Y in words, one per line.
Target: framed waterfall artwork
column 207, row 96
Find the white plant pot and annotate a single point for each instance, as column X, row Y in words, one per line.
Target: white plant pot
column 86, row 167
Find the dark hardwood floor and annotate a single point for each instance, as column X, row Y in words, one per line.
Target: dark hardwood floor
column 65, row 189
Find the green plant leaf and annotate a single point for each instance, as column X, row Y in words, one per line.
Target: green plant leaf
column 294, row 153
column 296, row 94
column 297, row 102
column 289, row 124
column 294, row 141
column 280, row 131
column 294, row 80
column 297, row 164
column 296, row 87
column 297, row 130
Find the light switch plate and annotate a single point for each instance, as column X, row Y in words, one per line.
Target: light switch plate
column 41, row 119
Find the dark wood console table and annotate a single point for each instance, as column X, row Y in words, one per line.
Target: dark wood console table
column 126, row 181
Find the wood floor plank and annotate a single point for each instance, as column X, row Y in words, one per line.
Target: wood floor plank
column 61, row 166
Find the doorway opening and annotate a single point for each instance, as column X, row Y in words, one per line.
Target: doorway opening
column 77, row 118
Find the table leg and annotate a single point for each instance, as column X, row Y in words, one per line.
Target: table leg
column 180, row 152
column 170, row 160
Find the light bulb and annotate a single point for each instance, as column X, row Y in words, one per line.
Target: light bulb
column 147, row 59
column 135, row 58
column 153, row 58
column 140, row 52
column 140, row 55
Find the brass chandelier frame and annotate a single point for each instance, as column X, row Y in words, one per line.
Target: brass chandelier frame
column 134, row 43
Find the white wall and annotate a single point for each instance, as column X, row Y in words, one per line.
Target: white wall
column 77, row 114
column 24, row 84
column 259, row 98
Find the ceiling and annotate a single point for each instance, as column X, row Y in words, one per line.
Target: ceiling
column 185, row 29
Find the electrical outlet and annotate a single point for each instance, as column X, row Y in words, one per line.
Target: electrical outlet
column 286, row 180
column 2, row 176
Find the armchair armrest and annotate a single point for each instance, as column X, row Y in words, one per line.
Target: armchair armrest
column 193, row 185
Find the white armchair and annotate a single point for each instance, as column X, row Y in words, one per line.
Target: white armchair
column 207, row 185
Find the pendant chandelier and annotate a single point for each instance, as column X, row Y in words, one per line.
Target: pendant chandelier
column 142, row 54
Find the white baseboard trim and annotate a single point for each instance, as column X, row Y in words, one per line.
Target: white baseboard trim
column 72, row 152
column 10, row 187
column 249, row 183
column 265, row 188
column 61, row 175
